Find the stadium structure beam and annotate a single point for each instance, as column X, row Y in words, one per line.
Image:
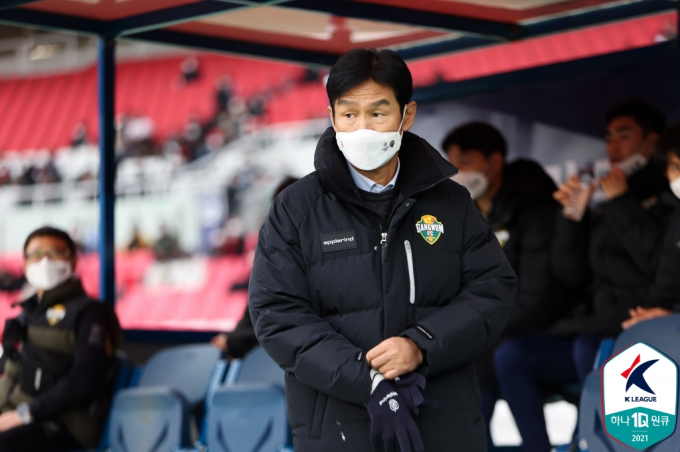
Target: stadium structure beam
column 107, row 168
column 597, row 16
column 244, row 48
column 443, row 47
column 7, row 4
column 172, row 16
column 548, row 73
column 51, row 21
column 371, row 11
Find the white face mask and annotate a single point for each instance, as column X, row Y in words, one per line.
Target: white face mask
column 48, row 274
column 474, row 181
column 632, row 164
column 675, row 187
column 367, row 149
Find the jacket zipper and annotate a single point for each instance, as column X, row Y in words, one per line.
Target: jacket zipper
column 411, row 274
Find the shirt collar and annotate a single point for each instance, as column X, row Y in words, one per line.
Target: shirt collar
column 364, row 183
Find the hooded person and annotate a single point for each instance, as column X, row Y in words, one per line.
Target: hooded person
column 516, row 199
column 376, row 280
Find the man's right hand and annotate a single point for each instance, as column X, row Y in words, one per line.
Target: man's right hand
column 220, row 341
column 566, row 190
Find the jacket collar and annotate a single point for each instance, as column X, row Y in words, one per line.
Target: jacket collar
column 649, row 181
column 422, row 167
column 71, row 289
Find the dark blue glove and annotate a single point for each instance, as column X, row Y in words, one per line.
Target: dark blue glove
column 391, row 421
column 409, row 387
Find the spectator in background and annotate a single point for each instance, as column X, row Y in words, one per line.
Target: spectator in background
column 136, row 242
column 79, row 135
column 5, row 176
column 516, row 199
column 193, row 137
column 240, row 341
column 190, row 71
column 665, row 297
column 224, row 89
column 55, row 392
column 166, row 246
column 138, row 135
column 615, row 249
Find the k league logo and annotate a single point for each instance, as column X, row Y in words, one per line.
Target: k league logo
column 639, row 396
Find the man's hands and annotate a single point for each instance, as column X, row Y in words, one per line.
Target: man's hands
column 392, row 421
column 614, row 184
column 394, row 357
column 566, row 191
column 220, row 341
column 639, row 314
column 10, row 420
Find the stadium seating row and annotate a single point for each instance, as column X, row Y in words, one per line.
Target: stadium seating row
column 236, row 406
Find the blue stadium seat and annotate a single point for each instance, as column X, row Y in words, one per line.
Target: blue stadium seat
column 151, row 419
column 187, row 368
column 249, row 413
column 662, row 333
column 126, row 376
column 258, row 368
column 155, row 416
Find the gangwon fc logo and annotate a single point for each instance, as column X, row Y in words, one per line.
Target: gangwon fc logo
column 429, row 228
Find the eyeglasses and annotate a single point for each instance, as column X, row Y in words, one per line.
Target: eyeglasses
column 52, row 254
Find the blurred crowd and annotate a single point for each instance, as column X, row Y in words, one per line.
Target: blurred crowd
column 136, row 135
column 587, row 269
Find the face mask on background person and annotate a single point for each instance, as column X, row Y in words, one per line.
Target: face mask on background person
column 632, row 164
column 48, row 274
column 474, row 181
column 368, row 149
column 675, row 187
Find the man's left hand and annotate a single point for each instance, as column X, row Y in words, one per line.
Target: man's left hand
column 394, row 357
column 639, row 314
column 614, row 184
column 9, row 420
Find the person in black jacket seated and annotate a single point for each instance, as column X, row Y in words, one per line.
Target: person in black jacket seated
column 614, row 249
column 377, row 266
column 665, row 297
column 516, row 199
column 56, row 389
column 239, row 342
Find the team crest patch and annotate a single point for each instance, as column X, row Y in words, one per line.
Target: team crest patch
column 429, row 228
column 56, row 314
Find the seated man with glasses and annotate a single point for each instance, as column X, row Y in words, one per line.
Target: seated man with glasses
column 60, row 351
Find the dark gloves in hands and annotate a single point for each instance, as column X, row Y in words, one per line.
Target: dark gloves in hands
column 409, row 386
column 391, row 420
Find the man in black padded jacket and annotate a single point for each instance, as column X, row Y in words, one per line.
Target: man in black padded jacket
column 378, row 266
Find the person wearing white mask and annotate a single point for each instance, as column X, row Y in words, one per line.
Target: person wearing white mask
column 665, row 297
column 516, row 199
column 612, row 251
column 376, row 280
column 55, row 389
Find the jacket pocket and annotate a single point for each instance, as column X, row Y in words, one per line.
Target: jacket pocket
column 411, row 272
column 317, row 417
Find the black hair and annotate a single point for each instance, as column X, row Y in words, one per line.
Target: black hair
column 357, row 66
column 48, row 231
column 669, row 143
column 648, row 117
column 479, row 136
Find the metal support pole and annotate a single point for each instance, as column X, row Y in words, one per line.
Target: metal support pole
column 107, row 197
